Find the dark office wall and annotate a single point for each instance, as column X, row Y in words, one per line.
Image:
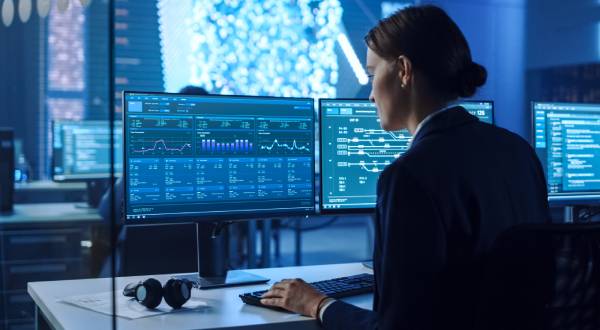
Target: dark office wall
column 561, row 33
column 495, row 30
column 20, row 83
column 97, row 83
column 563, row 50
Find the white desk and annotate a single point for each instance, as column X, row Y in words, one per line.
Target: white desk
column 225, row 309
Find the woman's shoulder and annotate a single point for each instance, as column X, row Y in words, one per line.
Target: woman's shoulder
column 399, row 167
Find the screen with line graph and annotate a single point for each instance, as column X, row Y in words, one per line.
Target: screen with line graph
column 355, row 149
column 218, row 157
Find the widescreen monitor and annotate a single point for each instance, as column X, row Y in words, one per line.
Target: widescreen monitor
column 81, row 150
column 355, row 149
column 213, row 157
column 567, row 141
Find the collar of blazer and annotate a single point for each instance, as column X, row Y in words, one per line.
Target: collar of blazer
column 450, row 118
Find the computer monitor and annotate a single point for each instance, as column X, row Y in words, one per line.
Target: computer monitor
column 81, row 150
column 212, row 157
column 484, row 110
column 567, row 141
column 355, row 149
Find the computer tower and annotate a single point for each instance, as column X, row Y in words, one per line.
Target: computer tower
column 7, row 169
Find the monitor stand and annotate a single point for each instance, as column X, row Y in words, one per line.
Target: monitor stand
column 95, row 189
column 212, row 261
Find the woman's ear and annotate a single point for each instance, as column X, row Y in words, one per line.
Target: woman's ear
column 405, row 70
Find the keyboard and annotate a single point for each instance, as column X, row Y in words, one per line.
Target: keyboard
column 335, row 288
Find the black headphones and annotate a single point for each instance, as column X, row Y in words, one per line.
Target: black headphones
column 150, row 292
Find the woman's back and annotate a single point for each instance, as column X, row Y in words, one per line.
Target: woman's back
column 484, row 178
column 441, row 206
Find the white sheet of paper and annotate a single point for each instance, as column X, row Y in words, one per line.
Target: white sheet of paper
column 126, row 307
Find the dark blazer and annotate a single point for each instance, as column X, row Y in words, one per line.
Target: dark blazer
column 439, row 208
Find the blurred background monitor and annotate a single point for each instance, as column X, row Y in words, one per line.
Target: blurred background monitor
column 567, row 142
column 81, row 150
column 355, row 149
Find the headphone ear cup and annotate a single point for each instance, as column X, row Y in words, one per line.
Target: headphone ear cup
column 149, row 293
column 177, row 292
column 129, row 290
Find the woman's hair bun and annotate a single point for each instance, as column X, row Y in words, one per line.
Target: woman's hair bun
column 436, row 47
column 470, row 78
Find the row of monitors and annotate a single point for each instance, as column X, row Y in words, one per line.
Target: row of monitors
column 238, row 157
column 81, row 148
column 228, row 157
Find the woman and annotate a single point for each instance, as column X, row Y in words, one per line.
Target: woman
column 442, row 203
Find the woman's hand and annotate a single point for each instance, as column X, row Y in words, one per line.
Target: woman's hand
column 294, row 295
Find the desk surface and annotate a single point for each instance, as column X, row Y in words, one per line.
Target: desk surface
column 225, row 309
column 45, row 185
column 49, row 212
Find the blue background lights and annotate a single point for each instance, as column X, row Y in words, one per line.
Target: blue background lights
column 266, row 47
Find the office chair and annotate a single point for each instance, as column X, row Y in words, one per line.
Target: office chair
column 544, row 276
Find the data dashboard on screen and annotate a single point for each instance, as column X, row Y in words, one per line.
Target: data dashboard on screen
column 567, row 142
column 81, row 150
column 355, row 149
column 218, row 157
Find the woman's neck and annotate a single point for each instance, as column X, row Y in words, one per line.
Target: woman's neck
column 420, row 111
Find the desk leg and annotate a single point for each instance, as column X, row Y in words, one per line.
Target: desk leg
column 370, row 237
column 298, row 241
column 40, row 321
column 265, row 250
column 252, row 244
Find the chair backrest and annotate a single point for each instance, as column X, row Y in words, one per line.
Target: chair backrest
column 544, row 276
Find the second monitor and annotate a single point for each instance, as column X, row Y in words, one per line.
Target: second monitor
column 355, row 149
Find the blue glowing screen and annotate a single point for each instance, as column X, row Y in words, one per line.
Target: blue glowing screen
column 567, row 142
column 80, row 150
column 355, row 149
column 252, row 47
column 205, row 157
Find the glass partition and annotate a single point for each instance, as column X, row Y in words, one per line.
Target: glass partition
column 55, row 246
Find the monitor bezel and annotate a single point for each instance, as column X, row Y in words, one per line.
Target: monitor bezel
column 69, row 177
column 579, row 199
column 240, row 216
column 362, row 210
